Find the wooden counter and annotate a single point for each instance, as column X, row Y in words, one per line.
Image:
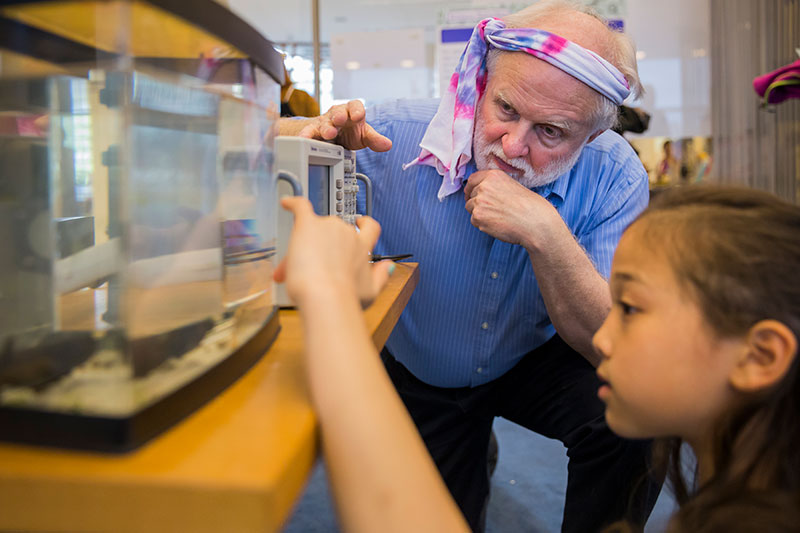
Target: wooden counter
column 237, row 464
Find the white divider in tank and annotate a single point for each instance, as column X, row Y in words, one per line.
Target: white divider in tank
column 88, row 266
column 84, row 268
column 246, row 299
column 172, row 269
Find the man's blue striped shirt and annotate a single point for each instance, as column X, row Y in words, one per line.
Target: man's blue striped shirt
column 477, row 309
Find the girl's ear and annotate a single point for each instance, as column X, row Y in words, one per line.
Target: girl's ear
column 767, row 354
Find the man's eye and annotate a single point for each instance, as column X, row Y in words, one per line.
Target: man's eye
column 550, row 131
column 506, row 107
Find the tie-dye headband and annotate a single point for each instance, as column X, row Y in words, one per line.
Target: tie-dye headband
column 447, row 143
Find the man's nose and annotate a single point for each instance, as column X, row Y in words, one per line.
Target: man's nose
column 515, row 143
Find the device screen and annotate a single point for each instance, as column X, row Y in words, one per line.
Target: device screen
column 319, row 188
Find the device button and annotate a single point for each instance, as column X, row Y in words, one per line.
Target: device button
column 339, row 207
column 339, row 183
column 339, row 195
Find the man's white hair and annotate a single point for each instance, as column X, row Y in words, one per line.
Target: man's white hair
column 619, row 48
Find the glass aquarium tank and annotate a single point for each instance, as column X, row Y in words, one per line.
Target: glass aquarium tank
column 138, row 212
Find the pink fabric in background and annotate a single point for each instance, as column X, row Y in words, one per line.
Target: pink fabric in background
column 778, row 94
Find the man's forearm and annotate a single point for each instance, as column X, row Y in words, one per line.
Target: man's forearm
column 575, row 294
column 292, row 126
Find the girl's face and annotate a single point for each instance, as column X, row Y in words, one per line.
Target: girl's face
column 665, row 372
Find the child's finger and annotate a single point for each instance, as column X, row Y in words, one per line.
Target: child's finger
column 300, row 207
column 370, row 231
column 380, row 275
column 279, row 274
column 296, row 204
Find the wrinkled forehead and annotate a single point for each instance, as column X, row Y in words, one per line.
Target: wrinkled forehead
column 533, row 87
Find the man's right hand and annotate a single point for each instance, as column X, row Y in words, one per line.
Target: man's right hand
column 345, row 124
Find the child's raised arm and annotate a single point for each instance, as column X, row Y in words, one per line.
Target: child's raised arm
column 381, row 474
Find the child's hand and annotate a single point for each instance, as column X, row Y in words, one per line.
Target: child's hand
column 325, row 252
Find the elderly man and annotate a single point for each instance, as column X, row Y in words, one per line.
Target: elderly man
column 512, row 273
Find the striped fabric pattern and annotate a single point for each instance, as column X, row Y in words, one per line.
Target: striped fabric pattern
column 477, row 308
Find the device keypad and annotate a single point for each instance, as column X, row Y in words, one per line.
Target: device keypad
column 347, row 189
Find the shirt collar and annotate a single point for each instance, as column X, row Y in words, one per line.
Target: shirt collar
column 557, row 188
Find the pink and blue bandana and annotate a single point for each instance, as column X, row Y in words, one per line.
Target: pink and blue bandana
column 447, row 143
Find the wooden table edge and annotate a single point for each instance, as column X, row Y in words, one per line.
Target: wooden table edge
column 192, row 477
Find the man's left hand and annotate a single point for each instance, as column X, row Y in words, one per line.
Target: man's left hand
column 506, row 210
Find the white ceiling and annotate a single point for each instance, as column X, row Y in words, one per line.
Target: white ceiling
column 674, row 37
column 289, row 21
column 660, row 28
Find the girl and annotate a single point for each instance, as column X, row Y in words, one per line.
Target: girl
column 701, row 346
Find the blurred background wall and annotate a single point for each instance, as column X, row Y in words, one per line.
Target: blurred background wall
column 697, row 59
column 754, row 145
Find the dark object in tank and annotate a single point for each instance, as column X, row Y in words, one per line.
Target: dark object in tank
column 86, row 431
column 149, row 352
column 35, row 363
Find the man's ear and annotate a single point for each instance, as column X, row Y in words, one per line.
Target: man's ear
column 767, row 354
column 594, row 136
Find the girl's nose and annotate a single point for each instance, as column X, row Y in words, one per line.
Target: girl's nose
column 601, row 341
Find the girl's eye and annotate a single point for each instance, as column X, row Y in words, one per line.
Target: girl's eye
column 627, row 309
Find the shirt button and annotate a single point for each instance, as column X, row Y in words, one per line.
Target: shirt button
column 479, row 370
column 494, row 275
column 485, row 325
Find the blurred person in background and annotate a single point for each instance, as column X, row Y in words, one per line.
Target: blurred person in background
column 668, row 170
column 296, row 102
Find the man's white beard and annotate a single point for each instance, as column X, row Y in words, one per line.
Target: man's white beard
column 527, row 176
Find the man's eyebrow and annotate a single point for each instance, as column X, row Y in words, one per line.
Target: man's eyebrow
column 500, row 99
column 564, row 125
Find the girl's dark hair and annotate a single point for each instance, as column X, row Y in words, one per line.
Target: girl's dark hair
column 736, row 252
